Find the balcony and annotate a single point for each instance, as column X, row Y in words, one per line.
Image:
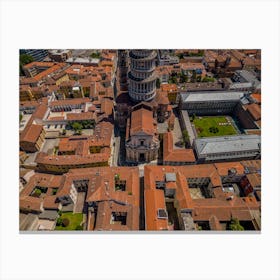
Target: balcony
column 143, row 54
column 142, row 80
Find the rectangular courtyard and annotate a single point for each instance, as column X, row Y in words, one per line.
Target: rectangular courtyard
column 208, row 126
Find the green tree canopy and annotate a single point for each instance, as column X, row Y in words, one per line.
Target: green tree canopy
column 158, row 83
column 235, row 225
column 77, row 126
column 185, row 136
column 24, row 59
column 95, row 55
column 65, row 222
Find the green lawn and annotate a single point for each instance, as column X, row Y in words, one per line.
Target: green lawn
column 213, row 126
column 75, row 220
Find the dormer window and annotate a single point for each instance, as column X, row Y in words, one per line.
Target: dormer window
column 162, row 214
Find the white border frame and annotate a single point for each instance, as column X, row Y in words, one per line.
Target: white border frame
column 135, row 24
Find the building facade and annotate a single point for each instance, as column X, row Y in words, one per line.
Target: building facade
column 38, row 55
column 142, row 143
column 227, row 148
column 203, row 103
column 142, row 79
column 32, row 138
column 123, row 69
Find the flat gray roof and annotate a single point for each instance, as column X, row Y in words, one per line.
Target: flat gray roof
column 224, row 144
column 211, row 96
column 49, row 215
column 83, row 60
column 240, row 85
column 249, row 77
column 170, row 177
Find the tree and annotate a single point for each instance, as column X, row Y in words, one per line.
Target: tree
column 65, row 222
column 95, row 55
column 24, row 59
column 117, row 177
column 173, row 80
column 207, row 79
column 158, row 83
column 77, row 127
column 185, row 137
column 180, row 55
column 37, row 193
column 184, row 78
column 20, row 116
column 213, row 129
column 193, row 117
column 193, row 78
column 235, row 225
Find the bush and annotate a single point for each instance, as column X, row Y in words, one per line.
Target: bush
column 185, row 136
column 59, row 221
column 208, row 79
column 193, row 117
column 117, row 177
column 77, row 126
column 37, row 193
column 95, row 55
column 65, row 222
column 235, row 225
column 213, row 129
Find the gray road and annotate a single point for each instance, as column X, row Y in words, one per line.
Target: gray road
column 177, row 134
column 116, row 150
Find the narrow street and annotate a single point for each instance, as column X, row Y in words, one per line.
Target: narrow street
column 116, row 148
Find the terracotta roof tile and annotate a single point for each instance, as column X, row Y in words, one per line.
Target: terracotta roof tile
column 31, row 133
column 175, row 155
column 223, row 168
column 69, row 101
column 257, row 97
column 254, row 110
column 142, row 120
column 154, row 200
column 80, row 116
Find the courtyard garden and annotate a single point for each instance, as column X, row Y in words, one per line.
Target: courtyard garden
column 69, row 221
column 213, row 126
